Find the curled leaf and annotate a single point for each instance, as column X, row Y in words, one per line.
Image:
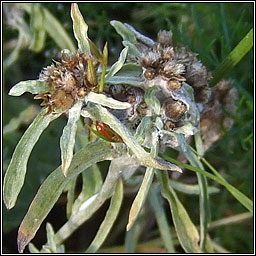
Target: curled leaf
column 32, row 86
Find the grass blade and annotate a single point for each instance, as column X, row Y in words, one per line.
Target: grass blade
column 109, row 219
column 53, row 186
column 233, row 58
column 243, row 199
column 15, row 174
column 191, row 189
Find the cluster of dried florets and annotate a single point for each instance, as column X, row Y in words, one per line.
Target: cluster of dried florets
column 169, row 66
column 70, row 79
column 218, row 112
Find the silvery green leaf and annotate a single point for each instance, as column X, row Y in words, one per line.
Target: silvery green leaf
column 118, row 65
column 67, row 140
column 130, row 74
column 37, row 26
column 199, row 144
column 101, row 113
column 123, row 31
column 80, row 29
column 133, row 51
column 109, row 102
column 32, row 248
column 50, row 237
column 25, row 117
column 187, row 129
column 152, row 101
column 32, row 86
column 111, row 216
column 92, row 183
column 16, row 171
column 144, row 126
column 186, row 230
column 91, row 205
column 145, row 185
column 160, row 213
column 146, row 40
column 53, row 186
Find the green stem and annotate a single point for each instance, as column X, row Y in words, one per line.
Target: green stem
column 102, row 78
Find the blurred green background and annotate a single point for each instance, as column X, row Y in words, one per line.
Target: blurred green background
column 210, row 29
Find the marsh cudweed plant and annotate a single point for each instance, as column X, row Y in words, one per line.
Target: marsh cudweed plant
column 155, row 96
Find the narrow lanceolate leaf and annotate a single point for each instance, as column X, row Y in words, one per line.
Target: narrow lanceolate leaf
column 123, row 31
column 145, row 185
column 130, row 74
column 202, row 182
column 67, row 140
column 146, row 40
column 92, row 183
column 161, row 219
column 118, row 65
column 16, row 171
column 90, row 206
column 186, row 231
column 109, row 219
column 80, row 29
column 107, row 101
column 37, row 27
column 32, row 86
column 133, row 51
column 101, row 113
column 233, row 58
column 53, row 186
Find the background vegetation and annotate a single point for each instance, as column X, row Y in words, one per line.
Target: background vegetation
column 210, row 29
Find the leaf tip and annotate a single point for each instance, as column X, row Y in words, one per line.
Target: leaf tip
column 129, row 226
column 65, row 169
column 22, row 241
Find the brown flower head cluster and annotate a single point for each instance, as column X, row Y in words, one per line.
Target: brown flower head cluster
column 170, row 65
column 218, row 112
column 70, row 79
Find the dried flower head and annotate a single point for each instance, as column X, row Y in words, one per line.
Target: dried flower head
column 218, row 112
column 70, row 79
